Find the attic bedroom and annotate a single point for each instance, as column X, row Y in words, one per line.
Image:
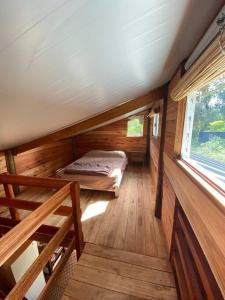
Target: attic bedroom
column 112, row 149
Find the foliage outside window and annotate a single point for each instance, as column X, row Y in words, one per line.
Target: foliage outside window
column 204, row 131
column 155, row 129
column 135, row 126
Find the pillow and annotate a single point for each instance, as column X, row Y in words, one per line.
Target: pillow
column 102, row 153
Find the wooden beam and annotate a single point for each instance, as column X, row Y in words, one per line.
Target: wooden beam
column 10, row 195
column 14, row 239
column 43, row 234
column 31, row 205
column 124, row 109
column 33, row 181
column 11, row 168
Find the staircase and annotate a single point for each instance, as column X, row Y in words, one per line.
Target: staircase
column 106, row 273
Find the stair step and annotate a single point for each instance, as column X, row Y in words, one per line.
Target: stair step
column 127, row 270
column 106, row 273
column 120, row 284
column 128, row 257
column 83, row 291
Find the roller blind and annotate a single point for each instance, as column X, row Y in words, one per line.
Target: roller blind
column 210, row 65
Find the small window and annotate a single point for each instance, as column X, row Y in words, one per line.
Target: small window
column 135, row 126
column 155, row 129
column 203, row 143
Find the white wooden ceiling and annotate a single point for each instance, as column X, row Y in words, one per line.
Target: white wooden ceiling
column 64, row 61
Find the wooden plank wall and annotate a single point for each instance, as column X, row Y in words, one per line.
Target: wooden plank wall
column 168, row 206
column 171, row 119
column 111, row 137
column 43, row 161
column 154, row 150
column 3, row 169
column 203, row 211
column 169, row 197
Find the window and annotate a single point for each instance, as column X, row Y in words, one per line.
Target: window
column 135, row 126
column 203, row 143
column 155, row 129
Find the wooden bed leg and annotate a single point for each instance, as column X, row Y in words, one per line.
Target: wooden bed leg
column 116, row 191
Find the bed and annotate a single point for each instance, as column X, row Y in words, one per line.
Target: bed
column 97, row 170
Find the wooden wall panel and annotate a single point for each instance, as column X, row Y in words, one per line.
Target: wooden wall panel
column 171, row 118
column 204, row 215
column 168, row 205
column 169, row 196
column 3, row 169
column 45, row 160
column 200, row 208
column 111, row 137
column 154, row 150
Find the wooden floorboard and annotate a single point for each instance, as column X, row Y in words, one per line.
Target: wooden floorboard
column 125, row 255
column 125, row 223
column 150, row 262
column 127, row 270
column 83, row 291
column 121, row 284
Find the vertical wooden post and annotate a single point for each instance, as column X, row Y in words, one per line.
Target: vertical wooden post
column 11, row 168
column 159, row 191
column 10, row 195
column 74, row 148
column 148, row 138
column 75, row 197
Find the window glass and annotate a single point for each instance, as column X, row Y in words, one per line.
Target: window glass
column 204, row 131
column 135, row 126
column 155, row 129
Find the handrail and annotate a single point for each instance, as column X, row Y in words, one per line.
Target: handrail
column 33, row 271
column 56, row 272
column 33, row 181
column 14, row 239
column 32, row 205
column 32, row 225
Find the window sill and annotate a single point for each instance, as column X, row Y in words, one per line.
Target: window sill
column 215, row 193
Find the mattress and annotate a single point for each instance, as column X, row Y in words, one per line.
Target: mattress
column 116, row 159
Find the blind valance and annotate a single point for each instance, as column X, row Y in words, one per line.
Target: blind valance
column 210, row 65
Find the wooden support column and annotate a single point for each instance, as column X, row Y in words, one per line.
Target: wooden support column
column 148, row 138
column 79, row 237
column 74, row 148
column 11, row 168
column 159, row 194
column 10, row 195
column 11, row 191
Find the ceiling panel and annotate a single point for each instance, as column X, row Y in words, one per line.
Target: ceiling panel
column 64, row 61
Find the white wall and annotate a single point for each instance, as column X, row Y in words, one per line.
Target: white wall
column 20, row 266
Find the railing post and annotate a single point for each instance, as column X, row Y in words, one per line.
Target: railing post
column 9, row 193
column 11, row 168
column 79, row 237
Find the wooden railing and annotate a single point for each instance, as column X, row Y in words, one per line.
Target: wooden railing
column 16, row 232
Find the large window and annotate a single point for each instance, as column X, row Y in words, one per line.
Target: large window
column 135, row 126
column 203, row 143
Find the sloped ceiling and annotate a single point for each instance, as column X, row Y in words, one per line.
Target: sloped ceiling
column 64, row 61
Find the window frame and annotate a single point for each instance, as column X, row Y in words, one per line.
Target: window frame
column 155, row 127
column 209, row 184
column 143, row 124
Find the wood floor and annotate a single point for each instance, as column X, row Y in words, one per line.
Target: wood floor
column 125, row 255
column 106, row 273
column 126, row 222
